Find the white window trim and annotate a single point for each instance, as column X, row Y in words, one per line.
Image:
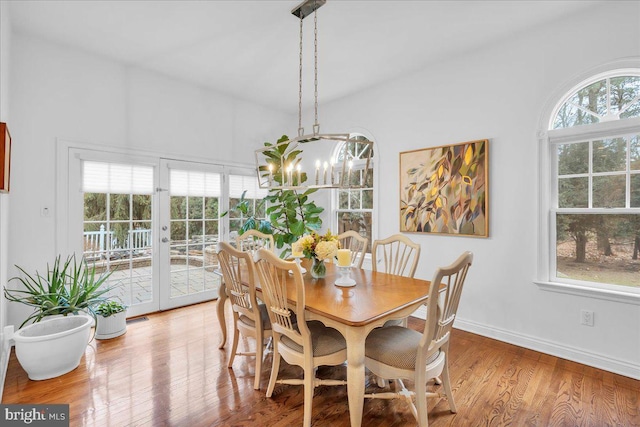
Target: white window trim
column 546, row 219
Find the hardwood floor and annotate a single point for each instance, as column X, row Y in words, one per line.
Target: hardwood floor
column 168, row 371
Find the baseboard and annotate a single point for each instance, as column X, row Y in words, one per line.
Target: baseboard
column 6, row 341
column 574, row 354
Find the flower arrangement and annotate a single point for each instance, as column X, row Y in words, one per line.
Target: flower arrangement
column 318, row 248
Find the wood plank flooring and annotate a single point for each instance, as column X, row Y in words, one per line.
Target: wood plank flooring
column 168, row 371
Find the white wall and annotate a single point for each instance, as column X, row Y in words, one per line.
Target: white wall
column 5, row 46
column 499, row 93
column 68, row 94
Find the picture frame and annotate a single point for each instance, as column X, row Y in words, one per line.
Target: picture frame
column 5, row 158
column 445, row 189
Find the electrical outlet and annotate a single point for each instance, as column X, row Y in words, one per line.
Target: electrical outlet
column 586, row 317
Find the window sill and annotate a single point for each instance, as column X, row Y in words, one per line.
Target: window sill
column 620, row 294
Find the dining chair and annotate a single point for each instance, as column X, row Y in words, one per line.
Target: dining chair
column 307, row 344
column 356, row 243
column 398, row 253
column 252, row 240
column 250, row 318
column 402, row 353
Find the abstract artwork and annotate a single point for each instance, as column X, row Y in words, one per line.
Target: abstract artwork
column 445, row 189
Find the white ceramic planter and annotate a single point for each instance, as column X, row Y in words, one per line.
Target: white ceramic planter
column 52, row 347
column 112, row 326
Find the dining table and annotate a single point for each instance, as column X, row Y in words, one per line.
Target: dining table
column 354, row 311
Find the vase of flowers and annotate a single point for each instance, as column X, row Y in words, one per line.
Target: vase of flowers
column 318, row 248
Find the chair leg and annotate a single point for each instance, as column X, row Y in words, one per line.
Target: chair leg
column 421, row 404
column 275, row 367
column 259, row 351
column 234, row 345
column 446, row 382
column 309, row 378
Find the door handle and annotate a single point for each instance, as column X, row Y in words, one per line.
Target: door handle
column 165, row 240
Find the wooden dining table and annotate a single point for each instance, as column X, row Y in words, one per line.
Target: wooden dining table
column 376, row 298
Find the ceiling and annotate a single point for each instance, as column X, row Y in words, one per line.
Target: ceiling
column 249, row 49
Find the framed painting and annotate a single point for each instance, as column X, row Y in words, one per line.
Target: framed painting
column 445, row 189
column 5, row 157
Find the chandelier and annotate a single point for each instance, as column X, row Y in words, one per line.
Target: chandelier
column 314, row 160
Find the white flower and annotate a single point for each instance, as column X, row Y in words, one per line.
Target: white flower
column 326, row 250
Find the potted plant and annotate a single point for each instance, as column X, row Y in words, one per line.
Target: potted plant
column 65, row 297
column 111, row 320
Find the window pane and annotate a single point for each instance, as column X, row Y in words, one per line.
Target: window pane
column 623, row 91
column 119, row 206
column 195, row 231
column 178, row 231
column 95, row 206
column 573, row 158
column 178, row 207
column 354, row 195
column 211, row 207
column 610, row 155
column 573, row 192
column 635, row 153
column 211, row 231
column 592, row 98
column 367, row 199
column 360, row 222
column 635, row 191
column 609, row 191
column 140, row 237
column 142, row 207
column 343, row 197
column 598, row 248
column 195, row 208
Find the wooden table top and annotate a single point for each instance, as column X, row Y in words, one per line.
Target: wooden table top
column 374, row 296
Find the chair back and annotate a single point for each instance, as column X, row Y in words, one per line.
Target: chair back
column 239, row 279
column 252, row 240
column 399, row 254
column 276, row 277
column 442, row 306
column 356, row 243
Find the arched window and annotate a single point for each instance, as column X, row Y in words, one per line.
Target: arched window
column 594, row 175
column 353, row 208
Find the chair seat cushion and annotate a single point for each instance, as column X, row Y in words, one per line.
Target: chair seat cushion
column 395, row 346
column 324, row 340
column 264, row 315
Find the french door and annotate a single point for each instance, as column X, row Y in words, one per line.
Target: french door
column 152, row 223
column 190, row 197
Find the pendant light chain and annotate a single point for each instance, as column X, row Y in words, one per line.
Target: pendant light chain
column 316, row 125
column 300, row 128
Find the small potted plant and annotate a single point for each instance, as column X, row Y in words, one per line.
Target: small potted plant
column 112, row 320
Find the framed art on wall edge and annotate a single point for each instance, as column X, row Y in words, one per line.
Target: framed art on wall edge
column 444, row 189
column 5, row 157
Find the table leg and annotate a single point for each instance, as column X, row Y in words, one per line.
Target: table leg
column 355, row 338
column 222, row 298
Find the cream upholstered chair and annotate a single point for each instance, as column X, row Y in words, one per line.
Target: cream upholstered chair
column 309, row 344
column 249, row 317
column 252, row 240
column 356, row 243
column 398, row 253
column 401, row 353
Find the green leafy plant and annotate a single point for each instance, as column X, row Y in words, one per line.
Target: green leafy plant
column 291, row 213
column 68, row 288
column 109, row 308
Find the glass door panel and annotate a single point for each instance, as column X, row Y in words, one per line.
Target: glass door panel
column 191, row 207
